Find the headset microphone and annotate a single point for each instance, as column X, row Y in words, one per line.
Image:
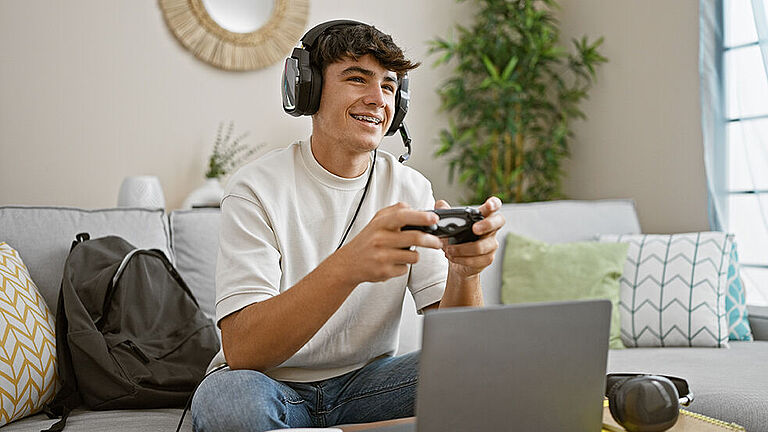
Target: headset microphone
column 406, row 142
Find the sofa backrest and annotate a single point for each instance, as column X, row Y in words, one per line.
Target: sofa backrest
column 43, row 236
column 195, row 243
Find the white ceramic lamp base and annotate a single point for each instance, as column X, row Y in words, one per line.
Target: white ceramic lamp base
column 141, row 191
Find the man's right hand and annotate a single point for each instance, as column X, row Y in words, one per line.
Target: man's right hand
column 381, row 251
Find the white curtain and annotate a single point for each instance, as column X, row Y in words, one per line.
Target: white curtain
column 712, row 117
column 733, row 67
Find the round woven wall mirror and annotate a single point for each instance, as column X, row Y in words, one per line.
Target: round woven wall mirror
column 237, row 34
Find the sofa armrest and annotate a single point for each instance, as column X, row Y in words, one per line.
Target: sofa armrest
column 758, row 320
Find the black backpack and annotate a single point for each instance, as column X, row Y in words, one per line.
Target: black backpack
column 129, row 332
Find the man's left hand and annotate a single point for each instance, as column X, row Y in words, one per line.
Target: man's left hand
column 469, row 259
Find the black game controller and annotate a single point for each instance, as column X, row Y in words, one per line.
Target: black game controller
column 454, row 224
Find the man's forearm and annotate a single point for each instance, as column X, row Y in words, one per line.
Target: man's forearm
column 265, row 334
column 462, row 291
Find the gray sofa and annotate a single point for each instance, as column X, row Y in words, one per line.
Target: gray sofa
column 730, row 384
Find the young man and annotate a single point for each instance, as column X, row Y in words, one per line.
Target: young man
column 309, row 326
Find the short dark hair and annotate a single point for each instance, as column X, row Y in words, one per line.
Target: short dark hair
column 355, row 41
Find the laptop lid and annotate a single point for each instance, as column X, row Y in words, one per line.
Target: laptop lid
column 537, row 366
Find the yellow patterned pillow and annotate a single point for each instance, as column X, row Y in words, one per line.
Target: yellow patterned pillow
column 27, row 342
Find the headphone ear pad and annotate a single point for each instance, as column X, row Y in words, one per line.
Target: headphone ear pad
column 402, row 101
column 647, row 403
column 313, row 104
column 613, row 405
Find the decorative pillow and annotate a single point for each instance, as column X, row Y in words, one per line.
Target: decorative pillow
column 673, row 289
column 28, row 357
column 534, row 271
column 735, row 302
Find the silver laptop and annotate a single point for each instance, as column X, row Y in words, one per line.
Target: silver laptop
column 528, row 367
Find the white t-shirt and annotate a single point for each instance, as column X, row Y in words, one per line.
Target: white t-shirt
column 282, row 215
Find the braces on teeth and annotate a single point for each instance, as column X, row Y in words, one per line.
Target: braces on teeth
column 366, row 118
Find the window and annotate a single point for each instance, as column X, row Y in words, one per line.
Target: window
column 742, row 162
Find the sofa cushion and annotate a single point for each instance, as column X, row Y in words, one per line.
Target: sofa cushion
column 673, row 289
column 728, row 384
column 535, row 271
column 195, row 243
column 28, row 342
column 43, row 236
column 155, row 420
column 736, row 302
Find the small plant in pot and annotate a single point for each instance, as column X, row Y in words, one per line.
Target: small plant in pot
column 511, row 99
column 229, row 152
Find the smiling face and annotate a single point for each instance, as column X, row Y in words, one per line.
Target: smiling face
column 356, row 108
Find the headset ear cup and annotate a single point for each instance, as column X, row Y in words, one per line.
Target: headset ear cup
column 313, row 102
column 289, row 86
column 297, row 75
column 616, row 408
column 402, row 101
column 644, row 403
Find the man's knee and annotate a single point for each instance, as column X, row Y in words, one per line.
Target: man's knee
column 238, row 400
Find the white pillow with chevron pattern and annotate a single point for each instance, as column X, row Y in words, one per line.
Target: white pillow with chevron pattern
column 673, row 289
column 27, row 340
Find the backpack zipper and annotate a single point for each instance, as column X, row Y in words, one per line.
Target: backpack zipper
column 136, row 350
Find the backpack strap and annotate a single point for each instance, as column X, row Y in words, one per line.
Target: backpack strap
column 59, row 425
column 68, row 396
column 79, row 238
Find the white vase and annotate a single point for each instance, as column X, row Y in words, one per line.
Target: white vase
column 207, row 195
column 141, row 191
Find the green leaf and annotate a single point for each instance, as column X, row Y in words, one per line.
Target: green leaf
column 444, row 59
column 509, row 68
column 490, row 67
column 486, row 83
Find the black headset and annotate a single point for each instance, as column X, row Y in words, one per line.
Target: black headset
column 302, row 84
column 646, row 403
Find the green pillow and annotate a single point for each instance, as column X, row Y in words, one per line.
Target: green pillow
column 539, row 272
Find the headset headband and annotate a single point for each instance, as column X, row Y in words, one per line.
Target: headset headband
column 310, row 37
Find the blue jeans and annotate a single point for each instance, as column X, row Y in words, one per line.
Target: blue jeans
column 247, row 400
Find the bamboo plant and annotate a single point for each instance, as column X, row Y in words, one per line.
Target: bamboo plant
column 511, row 98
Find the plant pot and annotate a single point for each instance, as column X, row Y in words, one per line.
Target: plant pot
column 207, row 195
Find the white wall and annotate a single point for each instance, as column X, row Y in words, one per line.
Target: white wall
column 92, row 91
column 643, row 136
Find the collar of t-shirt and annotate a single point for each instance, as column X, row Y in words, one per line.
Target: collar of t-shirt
column 326, row 177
